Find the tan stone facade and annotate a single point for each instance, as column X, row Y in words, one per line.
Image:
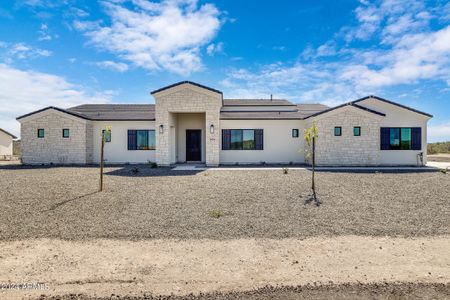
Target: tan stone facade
column 53, row 148
column 348, row 149
column 186, row 98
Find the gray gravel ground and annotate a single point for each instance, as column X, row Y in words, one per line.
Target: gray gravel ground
column 62, row 202
column 326, row 292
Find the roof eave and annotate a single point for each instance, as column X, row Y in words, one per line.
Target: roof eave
column 186, row 82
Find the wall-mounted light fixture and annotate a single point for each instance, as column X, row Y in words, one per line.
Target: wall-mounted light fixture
column 211, row 128
column 161, row 128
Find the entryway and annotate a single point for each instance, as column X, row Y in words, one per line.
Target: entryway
column 193, row 145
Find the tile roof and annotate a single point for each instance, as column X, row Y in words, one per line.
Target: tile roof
column 119, row 112
column 257, row 102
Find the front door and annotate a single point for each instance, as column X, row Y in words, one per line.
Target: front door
column 193, row 145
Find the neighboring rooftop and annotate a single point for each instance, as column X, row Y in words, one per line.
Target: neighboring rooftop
column 10, row 134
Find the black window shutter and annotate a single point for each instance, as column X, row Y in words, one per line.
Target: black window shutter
column 226, row 139
column 132, row 140
column 416, row 136
column 384, row 138
column 259, row 139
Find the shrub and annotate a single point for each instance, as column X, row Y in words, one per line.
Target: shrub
column 285, row 170
column 444, row 171
column 152, row 164
column 135, row 170
column 216, row 214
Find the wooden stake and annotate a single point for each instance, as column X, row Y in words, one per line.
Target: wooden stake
column 102, row 161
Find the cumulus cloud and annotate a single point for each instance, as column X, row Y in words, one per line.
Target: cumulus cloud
column 167, row 35
column 213, row 49
column 23, row 91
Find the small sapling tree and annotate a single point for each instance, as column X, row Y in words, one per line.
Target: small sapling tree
column 310, row 135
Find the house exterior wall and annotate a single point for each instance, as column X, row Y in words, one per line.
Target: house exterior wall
column 186, row 98
column 347, row 149
column 6, row 144
column 117, row 151
column 279, row 145
column 189, row 121
column 53, row 148
column 399, row 117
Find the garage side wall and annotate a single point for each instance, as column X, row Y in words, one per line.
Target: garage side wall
column 53, row 148
column 347, row 149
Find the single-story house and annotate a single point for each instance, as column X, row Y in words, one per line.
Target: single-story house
column 6, row 143
column 190, row 122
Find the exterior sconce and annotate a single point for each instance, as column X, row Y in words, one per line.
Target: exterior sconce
column 161, row 128
column 211, row 128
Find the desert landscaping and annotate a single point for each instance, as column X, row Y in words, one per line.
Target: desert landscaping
column 226, row 234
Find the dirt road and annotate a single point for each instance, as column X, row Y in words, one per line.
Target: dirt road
column 163, row 267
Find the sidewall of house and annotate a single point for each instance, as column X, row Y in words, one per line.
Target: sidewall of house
column 53, row 148
column 347, row 149
column 279, row 145
column 117, row 151
column 6, row 144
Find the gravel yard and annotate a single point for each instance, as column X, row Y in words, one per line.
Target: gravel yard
column 62, row 202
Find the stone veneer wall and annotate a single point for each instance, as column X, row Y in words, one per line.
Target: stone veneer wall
column 53, row 148
column 187, row 99
column 348, row 149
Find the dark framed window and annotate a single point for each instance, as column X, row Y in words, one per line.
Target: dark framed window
column 337, row 131
column 401, row 138
column 295, row 133
column 242, row 139
column 65, row 133
column 107, row 135
column 141, row 140
column 40, row 133
column 357, row 131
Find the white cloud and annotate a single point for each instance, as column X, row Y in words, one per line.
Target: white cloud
column 214, row 49
column 16, row 51
column 23, row 91
column 112, row 65
column 156, row 36
column 402, row 49
column 439, row 133
column 44, row 33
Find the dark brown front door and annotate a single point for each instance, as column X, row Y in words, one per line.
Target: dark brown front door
column 193, row 145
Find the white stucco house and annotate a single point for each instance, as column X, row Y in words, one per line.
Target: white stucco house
column 6, row 144
column 190, row 122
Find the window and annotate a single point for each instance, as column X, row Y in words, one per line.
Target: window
column 401, row 138
column 107, row 135
column 65, row 133
column 242, row 139
column 337, row 131
column 40, row 133
column 295, row 133
column 357, row 131
column 141, row 140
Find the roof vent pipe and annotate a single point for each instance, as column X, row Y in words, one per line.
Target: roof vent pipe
column 270, row 97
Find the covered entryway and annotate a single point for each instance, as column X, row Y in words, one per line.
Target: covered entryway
column 193, row 145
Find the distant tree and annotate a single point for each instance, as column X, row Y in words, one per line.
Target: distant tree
column 310, row 135
column 439, row 147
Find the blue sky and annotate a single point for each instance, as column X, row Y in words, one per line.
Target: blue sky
column 64, row 52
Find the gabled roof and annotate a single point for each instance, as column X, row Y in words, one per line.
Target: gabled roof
column 347, row 104
column 183, row 82
column 116, row 112
column 10, row 134
column 55, row 108
column 257, row 102
column 393, row 103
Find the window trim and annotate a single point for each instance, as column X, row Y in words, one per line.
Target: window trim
column 242, row 137
column 68, row 133
column 136, row 137
column 399, row 148
column 295, row 132
column 340, row 130
column 43, row 133
column 359, row 130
